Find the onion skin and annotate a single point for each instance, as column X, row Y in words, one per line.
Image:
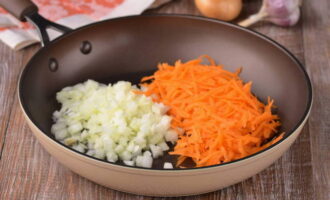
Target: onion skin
column 225, row 10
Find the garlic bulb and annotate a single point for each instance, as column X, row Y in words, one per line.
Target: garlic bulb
column 279, row 12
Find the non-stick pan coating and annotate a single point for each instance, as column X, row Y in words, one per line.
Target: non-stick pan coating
column 129, row 48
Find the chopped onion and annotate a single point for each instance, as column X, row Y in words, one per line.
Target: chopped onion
column 112, row 122
column 157, row 151
column 168, row 165
column 145, row 160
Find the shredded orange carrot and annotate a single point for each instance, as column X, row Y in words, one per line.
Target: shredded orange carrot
column 221, row 119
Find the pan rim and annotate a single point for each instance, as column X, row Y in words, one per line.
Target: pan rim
column 184, row 16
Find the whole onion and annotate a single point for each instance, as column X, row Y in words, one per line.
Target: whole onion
column 225, row 10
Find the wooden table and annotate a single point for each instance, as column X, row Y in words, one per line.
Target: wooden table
column 28, row 172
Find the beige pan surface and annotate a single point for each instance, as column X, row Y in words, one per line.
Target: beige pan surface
column 280, row 72
column 161, row 182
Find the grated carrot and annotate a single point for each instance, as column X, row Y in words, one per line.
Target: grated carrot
column 221, row 119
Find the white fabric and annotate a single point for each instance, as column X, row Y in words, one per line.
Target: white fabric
column 18, row 38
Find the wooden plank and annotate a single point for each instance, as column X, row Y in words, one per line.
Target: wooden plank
column 10, row 63
column 316, row 28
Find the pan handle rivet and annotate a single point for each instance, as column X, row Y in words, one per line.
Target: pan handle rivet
column 53, row 64
column 85, row 47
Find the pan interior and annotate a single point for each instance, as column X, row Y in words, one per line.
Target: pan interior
column 130, row 48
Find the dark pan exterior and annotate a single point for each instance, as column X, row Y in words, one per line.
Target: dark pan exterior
column 129, row 48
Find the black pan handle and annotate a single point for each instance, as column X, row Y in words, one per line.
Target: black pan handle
column 43, row 24
column 27, row 10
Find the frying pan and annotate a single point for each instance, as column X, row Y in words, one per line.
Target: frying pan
column 130, row 47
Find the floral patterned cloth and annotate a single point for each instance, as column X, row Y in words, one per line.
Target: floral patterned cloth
column 71, row 13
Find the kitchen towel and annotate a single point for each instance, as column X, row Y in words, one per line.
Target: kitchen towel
column 70, row 13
